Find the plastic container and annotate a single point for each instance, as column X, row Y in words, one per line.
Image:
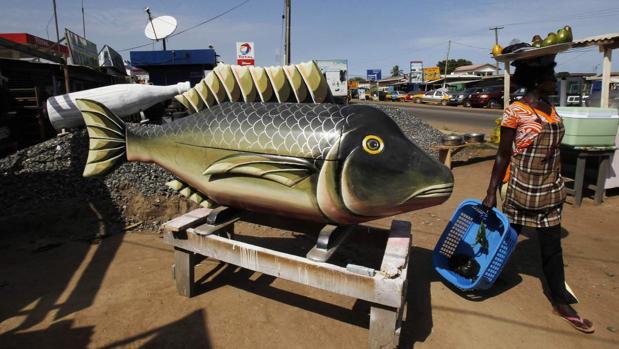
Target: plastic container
column 459, row 237
column 589, row 126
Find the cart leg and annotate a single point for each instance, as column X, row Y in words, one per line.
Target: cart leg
column 383, row 331
column 579, row 179
column 599, row 185
column 184, row 262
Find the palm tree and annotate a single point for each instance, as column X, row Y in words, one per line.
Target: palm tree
column 395, row 71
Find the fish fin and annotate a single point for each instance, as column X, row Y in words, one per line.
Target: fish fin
column 175, row 185
column 196, row 197
column 283, row 170
column 107, row 133
column 183, row 100
column 186, row 192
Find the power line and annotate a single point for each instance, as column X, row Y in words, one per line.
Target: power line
column 194, row 26
column 211, row 19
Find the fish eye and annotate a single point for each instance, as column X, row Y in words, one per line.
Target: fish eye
column 373, row 144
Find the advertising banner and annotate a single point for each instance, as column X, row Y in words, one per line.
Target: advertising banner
column 336, row 72
column 431, row 74
column 245, row 53
column 82, row 51
column 416, row 72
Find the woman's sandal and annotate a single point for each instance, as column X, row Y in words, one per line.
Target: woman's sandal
column 579, row 323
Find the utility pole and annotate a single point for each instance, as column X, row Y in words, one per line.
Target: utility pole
column 57, row 33
column 83, row 20
column 67, row 85
column 446, row 62
column 287, row 32
column 496, row 42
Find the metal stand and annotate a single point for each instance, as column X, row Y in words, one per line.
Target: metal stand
column 384, row 288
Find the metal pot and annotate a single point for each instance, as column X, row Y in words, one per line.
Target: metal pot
column 474, row 137
column 452, row 140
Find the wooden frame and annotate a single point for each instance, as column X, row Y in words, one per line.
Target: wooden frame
column 384, row 288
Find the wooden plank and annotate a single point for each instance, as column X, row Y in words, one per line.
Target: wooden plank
column 506, row 84
column 377, row 289
column 383, row 323
column 606, row 66
column 184, row 272
column 190, row 219
column 543, row 51
column 397, row 249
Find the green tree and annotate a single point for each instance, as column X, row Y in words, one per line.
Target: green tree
column 452, row 64
column 395, row 71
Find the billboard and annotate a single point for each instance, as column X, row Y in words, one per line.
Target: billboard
column 373, row 74
column 82, row 51
column 416, row 72
column 111, row 59
column 336, row 72
column 431, row 74
column 245, row 53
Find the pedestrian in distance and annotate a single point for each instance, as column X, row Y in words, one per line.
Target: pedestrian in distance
column 528, row 164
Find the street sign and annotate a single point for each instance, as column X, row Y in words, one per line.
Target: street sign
column 245, row 53
column 374, row 74
column 416, row 72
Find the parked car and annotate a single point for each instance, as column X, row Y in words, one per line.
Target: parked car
column 417, row 96
column 433, row 96
column 491, row 97
column 410, row 96
column 456, row 97
column 517, row 95
column 395, row 96
column 466, row 95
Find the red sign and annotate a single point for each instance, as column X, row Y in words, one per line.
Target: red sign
column 245, row 61
column 245, row 53
column 34, row 41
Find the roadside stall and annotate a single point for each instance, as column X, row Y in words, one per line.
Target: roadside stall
column 591, row 133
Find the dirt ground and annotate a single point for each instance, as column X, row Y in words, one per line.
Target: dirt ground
column 61, row 288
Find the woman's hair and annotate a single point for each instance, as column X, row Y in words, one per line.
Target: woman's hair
column 530, row 73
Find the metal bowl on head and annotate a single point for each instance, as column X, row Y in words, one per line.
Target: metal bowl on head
column 452, row 140
column 474, row 137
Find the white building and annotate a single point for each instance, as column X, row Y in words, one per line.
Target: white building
column 475, row 70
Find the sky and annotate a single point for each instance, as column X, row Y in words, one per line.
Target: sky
column 369, row 34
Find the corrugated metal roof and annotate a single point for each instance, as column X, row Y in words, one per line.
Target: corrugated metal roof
column 596, row 39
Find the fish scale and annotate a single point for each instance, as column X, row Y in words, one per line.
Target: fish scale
column 302, row 130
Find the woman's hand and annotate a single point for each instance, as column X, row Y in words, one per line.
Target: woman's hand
column 489, row 202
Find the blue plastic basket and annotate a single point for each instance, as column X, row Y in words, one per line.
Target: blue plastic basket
column 459, row 237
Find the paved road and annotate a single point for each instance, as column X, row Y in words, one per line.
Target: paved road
column 458, row 119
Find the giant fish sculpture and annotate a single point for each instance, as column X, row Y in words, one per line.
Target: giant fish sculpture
column 319, row 162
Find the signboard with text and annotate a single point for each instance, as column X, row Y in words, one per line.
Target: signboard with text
column 431, row 74
column 82, row 51
column 416, row 72
column 374, row 74
column 245, row 53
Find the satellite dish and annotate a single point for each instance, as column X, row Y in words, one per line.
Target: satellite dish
column 160, row 28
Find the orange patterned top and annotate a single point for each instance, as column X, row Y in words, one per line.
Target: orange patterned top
column 524, row 119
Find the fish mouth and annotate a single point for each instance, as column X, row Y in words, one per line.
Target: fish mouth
column 433, row 191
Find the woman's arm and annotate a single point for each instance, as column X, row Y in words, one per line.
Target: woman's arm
column 500, row 165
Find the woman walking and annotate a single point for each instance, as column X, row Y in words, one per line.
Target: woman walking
column 531, row 132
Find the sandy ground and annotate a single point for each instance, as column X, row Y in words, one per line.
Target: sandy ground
column 60, row 292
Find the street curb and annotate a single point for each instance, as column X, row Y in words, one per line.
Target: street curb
column 412, row 105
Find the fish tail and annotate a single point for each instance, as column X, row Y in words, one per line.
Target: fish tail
column 107, row 133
